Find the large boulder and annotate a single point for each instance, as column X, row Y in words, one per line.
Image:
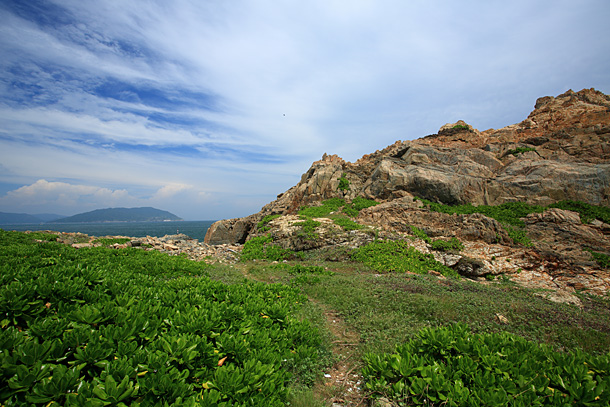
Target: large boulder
column 230, row 231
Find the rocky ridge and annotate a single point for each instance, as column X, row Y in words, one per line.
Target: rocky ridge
column 172, row 245
column 561, row 151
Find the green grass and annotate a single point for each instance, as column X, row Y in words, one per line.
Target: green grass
column 262, row 225
column 308, row 229
column 507, row 213
column 262, row 247
column 347, row 224
column 328, row 206
column 461, row 127
column 343, row 183
column 398, row 256
column 602, row 259
column 387, row 309
column 451, row 245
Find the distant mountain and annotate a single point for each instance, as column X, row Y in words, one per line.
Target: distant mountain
column 48, row 217
column 120, row 215
column 12, row 218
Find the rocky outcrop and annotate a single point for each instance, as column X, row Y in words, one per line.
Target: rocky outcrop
column 561, row 151
column 172, row 245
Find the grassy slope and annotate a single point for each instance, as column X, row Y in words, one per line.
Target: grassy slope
column 386, row 310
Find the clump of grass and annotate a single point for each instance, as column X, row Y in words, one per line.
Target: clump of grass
column 420, row 234
column 262, row 225
column 347, row 224
column 461, row 127
column 261, row 247
column 325, row 209
column 308, row 229
column 343, row 183
column 519, row 150
column 358, row 204
column 334, row 204
column 509, row 214
column 451, row 245
column 111, row 241
column 398, row 256
column 602, row 259
column 519, row 236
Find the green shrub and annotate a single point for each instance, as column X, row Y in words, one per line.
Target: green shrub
column 450, row 366
column 262, row 225
column 347, row 224
column 261, row 247
column 308, row 229
column 602, row 259
column 322, row 211
column 111, row 241
column 343, row 183
column 461, row 127
column 519, row 236
column 420, row 234
column 509, row 212
column 334, row 204
column 359, row 203
column 398, row 256
column 451, row 245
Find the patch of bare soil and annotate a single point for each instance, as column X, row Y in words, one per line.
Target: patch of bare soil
column 342, row 384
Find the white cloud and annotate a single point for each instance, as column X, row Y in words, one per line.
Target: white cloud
column 63, row 195
column 169, row 191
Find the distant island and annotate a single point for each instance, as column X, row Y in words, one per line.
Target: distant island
column 146, row 214
column 25, row 218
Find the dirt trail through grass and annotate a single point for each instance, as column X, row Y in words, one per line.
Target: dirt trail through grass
column 342, row 383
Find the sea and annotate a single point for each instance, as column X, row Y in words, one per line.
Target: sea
column 195, row 229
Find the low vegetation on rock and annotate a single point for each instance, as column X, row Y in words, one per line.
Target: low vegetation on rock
column 398, row 256
column 519, row 150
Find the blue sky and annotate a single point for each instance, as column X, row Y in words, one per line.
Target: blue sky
column 209, row 109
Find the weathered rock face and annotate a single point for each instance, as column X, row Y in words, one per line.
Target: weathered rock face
column 229, row 231
column 400, row 214
column 560, row 152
